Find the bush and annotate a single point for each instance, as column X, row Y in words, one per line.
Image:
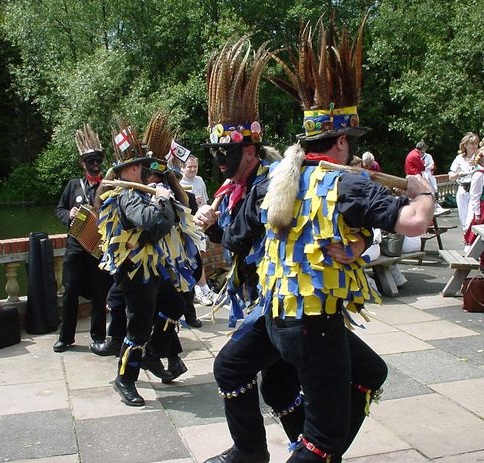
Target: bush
column 22, row 185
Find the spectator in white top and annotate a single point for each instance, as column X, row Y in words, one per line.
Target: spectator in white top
column 428, row 174
column 461, row 171
column 203, row 293
column 191, row 179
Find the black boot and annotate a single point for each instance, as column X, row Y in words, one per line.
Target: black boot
column 128, row 392
column 176, row 367
column 233, row 455
column 128, row 371
column 155, row 366
column 110, row 347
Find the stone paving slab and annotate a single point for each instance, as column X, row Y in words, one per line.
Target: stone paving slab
column 455, row 314
column 405, row 456
column 442, row 428
column 400, row 385
column 466, row 393
column 467, row 349
column 393, row 343
column 435, row 329
column 126, row 439
column 38, row 434
column 433, row 366
column 193, row 405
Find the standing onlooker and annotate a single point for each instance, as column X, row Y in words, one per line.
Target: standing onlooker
column 414, row 164
column 368, row 162
column 428, row 174
column 461, row 170
column 191, row 179
column 203, row 293
column 81, row 274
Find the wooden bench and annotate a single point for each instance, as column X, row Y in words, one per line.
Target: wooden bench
column 462, row 265
column 383, row 275
column 435, row 231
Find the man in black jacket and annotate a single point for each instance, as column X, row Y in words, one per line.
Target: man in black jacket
column 81, row 274
column 132, row 224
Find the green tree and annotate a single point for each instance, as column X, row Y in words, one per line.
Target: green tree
column 425, row 72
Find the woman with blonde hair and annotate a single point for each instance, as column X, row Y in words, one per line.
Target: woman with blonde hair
column 461, row 171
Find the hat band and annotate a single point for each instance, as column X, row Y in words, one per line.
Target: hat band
column 158, row 166
column 324, row 120
column 120, row 162
column 230, row 133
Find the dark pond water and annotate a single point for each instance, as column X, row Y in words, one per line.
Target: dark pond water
column 18, row 222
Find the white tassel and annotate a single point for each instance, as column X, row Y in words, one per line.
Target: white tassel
column 283, row 188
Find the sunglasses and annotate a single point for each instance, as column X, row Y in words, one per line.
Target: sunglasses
column 92, row 161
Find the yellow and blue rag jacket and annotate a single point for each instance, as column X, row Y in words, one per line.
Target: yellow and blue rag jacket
column 296, row 275
column 172, row 257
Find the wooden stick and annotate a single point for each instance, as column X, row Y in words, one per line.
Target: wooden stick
column 176, row 188
column 385, row 179
column 134, row 185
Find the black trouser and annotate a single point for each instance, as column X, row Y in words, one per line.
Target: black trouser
column 190, row 311
column 82, row 277
column 141, row 304
column 331, row 362
column 170, row 305
column 117, row 305
column 236, row 366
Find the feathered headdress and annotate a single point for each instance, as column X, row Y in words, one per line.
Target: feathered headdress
column 128, row 149
column 87, row 142
column 158, row 138
column 233, row 77
column 324, row 75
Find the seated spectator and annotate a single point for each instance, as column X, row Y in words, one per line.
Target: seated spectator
column 368, row 162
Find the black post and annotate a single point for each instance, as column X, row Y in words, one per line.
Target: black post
column 42, row 316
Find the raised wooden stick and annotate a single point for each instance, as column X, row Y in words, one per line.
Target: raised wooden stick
column 174, row 184
column 134, row 185
column 385, row 179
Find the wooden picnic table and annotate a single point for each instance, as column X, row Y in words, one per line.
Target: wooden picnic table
column 461, row 264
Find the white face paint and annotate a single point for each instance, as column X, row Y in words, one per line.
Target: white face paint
column 79, row 199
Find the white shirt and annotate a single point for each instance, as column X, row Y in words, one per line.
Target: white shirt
column 198, row 187
column 459, row 166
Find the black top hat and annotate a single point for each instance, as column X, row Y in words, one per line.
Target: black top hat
column 88, row 144
column 233, row 77
column 326, row 80
column 128, row 150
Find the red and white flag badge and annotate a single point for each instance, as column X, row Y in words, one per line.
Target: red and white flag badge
column 179, row 151
column 122, row 140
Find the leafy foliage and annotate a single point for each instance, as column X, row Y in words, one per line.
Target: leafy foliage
column 65, row 62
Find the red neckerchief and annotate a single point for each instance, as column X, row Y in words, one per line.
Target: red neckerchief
column 94, row 180
column 235, row 190
column 320, row 157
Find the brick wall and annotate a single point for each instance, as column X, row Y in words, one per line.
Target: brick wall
column 213, row 258
column 18, row 245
